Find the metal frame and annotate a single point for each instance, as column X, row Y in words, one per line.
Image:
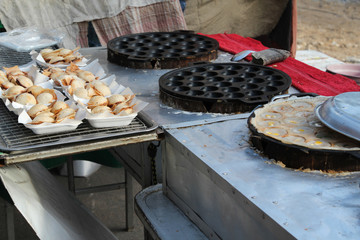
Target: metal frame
column 138, row 166
column 127, row 185
column 63, row 150
column 15, row 137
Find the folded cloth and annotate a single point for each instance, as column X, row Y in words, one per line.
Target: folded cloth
column 269, row 56
column 304, row 77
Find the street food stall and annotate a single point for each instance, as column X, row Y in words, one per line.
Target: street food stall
column 230, row 189
column 230, row 169
column 209, row 163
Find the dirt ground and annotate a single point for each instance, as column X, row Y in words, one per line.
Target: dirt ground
column 330, row 26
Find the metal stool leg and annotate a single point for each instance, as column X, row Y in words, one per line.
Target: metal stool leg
column 129, row 201
column 70, row 174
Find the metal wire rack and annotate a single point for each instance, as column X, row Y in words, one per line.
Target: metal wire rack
column 10, row 58
column 15, row 136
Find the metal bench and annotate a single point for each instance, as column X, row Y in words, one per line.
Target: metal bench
column 162, row 219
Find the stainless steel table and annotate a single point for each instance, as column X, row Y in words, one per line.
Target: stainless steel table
column 209, row 165
column 212, row 166
column 231, row 191
column 210, row 159
column 14, row 157
column 67, row 144
column 144, row 83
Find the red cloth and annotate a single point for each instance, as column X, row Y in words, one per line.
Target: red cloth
column 304, row 77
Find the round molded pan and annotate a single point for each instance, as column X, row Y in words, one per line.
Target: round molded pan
column 161, row 50
column 222, row 87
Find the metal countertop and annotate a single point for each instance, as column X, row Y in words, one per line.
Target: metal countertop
column 144, row 83
column 308, row 205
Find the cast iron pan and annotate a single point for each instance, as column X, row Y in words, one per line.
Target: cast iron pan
column 222, row 87
column 161, row 50
column 299, row 157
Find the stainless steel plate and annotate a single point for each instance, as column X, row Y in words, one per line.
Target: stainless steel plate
column 342, row 114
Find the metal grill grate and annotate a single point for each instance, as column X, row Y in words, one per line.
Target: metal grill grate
column 10, row 58
column 15, row 136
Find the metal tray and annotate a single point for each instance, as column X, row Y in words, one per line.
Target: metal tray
column 222, row 87
column 342, row 114
column 15, row 137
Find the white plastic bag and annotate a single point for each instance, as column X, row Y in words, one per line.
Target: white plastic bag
column 30, row 38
